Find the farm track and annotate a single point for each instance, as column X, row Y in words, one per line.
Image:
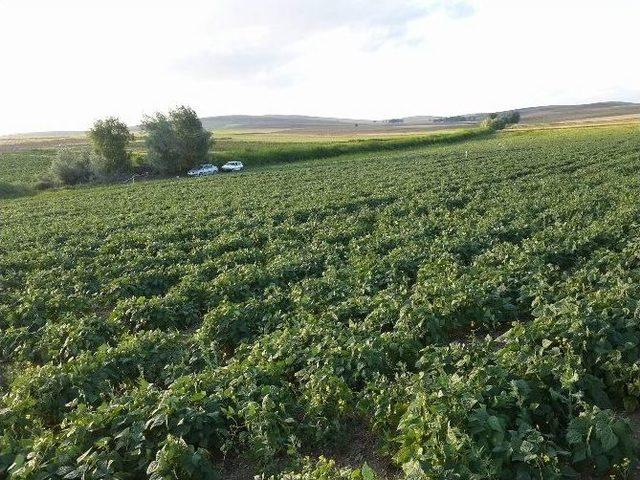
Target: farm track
column 472, row 308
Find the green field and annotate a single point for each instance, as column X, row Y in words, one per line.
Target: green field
column 23, row 164
column 465, row 309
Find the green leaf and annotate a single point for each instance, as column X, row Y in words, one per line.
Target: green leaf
column 580, row 454
column 607, row 438
column 494, row 423
column 367, row 472
column 574, row 433
column 18, row 461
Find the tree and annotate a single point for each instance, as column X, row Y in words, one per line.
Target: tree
column 498, row 121
column 161, row 142
column 193, row 140
column 512, row 117
column 110, row 138
column 176, row 142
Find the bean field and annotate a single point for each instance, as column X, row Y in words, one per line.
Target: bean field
column 471, row 309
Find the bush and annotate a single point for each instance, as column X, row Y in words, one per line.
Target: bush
column 110, row 138
column 71, row 167
column 104, row 169
column 176, row 142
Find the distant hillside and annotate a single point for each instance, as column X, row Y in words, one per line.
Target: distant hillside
column 568, row 113
column 532, row 115
column 230, row 122
column 543, row 114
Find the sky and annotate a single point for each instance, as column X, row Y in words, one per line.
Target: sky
column 66, row 63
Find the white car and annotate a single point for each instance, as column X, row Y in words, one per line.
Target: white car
column 233, row 166
column 202, row 170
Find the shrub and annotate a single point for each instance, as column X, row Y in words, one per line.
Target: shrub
column 71, row 167
column 104, row 169
column 177, row 141
column 110, row 138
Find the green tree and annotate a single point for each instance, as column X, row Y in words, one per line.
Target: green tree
column 193, row 140
column 177, row 141
column 110, row 138
column 161, row 143
column 498, row 121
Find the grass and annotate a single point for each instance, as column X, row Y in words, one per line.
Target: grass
column 266, row 151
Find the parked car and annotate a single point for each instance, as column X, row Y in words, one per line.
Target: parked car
column 202, row 170
column 233, row 166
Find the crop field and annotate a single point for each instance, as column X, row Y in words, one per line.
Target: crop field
column 23, row 167
column 465, row 310
column 273, row 147
column 24, row 161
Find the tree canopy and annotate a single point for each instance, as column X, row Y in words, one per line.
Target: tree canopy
column 498, row 121
column 110, row 138
column 177, row 141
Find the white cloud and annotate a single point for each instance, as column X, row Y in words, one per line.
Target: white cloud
column 69, row 62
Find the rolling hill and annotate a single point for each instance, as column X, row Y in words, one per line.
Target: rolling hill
column 530, row 115
column 605, row 111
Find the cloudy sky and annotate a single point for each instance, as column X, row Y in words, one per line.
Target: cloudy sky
column 67, row 62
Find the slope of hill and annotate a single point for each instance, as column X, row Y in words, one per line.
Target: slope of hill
column 275, row 121
column 530, row 115
column 569, row 113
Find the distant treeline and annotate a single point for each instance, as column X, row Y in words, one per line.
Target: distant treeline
column 458, row 119
column 509, row 118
